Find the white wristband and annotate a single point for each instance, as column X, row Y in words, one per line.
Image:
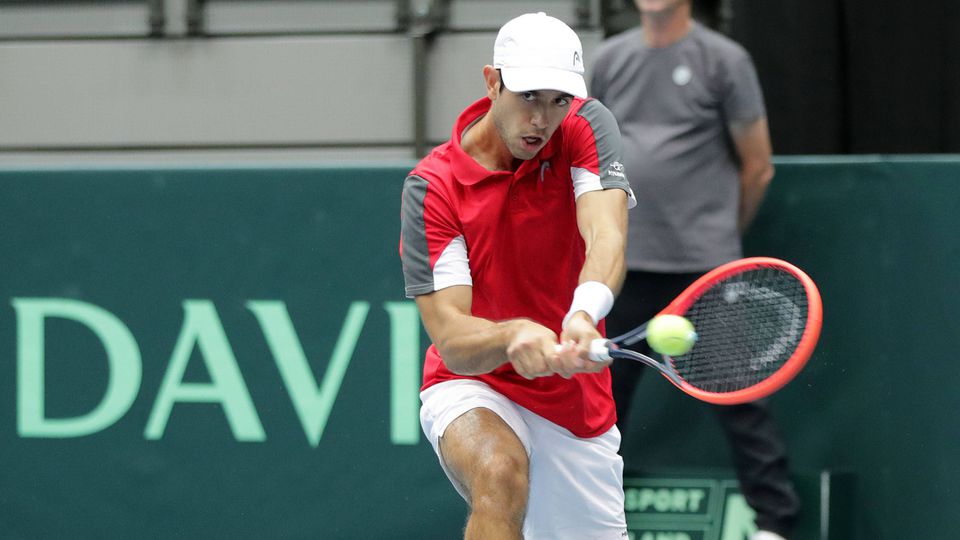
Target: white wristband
column 593, row 298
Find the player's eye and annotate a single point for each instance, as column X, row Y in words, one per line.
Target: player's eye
column 562, row 101
column 528, row 96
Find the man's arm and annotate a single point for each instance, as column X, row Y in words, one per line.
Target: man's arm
column 752, row 142
column 602, row 219
column 473, row 346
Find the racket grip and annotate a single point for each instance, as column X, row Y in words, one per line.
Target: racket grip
column 599, row 350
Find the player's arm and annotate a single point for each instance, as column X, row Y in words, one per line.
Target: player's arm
column 603, row 196
column 752, row 142
column 437, row 274
column 602, row 220
column 473, row 346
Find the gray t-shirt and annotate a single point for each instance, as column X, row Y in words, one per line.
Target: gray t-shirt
column 674, row 105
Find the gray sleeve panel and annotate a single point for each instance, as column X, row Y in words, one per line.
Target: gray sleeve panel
column 606, row 133
column 417, row 275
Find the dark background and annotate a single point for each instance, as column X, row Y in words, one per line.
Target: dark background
column 845, row 76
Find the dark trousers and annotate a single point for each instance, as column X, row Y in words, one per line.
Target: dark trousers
column 759, row 454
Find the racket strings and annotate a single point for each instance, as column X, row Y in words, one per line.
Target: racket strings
column 749, row 325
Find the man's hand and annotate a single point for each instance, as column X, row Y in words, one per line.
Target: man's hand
column 577, row 336
column 532, row 350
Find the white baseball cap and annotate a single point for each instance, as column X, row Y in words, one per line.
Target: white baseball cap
column 539, row 52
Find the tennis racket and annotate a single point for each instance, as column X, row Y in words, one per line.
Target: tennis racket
column 757, row 322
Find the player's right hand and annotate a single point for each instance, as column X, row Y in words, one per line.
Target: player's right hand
column 533, row 349
column 533, row 352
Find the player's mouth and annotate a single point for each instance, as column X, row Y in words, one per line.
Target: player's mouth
column 532, row 142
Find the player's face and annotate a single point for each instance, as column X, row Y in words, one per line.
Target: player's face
column 527, row 120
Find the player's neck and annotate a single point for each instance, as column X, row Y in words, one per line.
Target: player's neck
column 664, row 29
column 482, row 142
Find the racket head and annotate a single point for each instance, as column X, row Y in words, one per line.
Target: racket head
column 758, row 321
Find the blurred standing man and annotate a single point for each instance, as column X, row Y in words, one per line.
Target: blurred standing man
column 697, row 146
column 513, row 233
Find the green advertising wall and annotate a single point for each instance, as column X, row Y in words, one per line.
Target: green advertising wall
column 226, row 353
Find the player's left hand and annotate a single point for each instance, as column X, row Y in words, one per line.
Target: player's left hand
column 575, row 350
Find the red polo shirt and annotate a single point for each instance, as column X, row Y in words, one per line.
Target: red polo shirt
column 513, row 236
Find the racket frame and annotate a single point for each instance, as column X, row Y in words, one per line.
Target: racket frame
column 614, row 348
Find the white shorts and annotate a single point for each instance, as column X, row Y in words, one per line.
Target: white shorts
column 576, row 485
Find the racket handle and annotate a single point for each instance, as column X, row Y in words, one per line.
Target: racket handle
column 599, row 350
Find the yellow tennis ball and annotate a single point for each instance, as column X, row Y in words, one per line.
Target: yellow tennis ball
column 671, row 335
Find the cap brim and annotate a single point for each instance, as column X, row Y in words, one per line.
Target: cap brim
column 519, row 79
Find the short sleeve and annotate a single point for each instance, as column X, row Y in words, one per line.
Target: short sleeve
column 593, row 140
column 432, row 247
column 743, row 98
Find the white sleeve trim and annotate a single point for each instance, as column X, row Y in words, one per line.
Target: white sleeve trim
column 453, row 266
column 584, row 181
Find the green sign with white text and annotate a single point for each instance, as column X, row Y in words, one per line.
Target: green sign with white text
column 661, row 507
column 218, row 353
column 203, row 331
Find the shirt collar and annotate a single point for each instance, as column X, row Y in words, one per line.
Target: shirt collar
column 466, row 169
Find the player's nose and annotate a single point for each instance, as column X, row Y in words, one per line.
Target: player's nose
column 538, row 119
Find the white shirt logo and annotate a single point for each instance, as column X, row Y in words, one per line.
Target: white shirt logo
column 544, row 167
column 682, row 75
column 616, row 169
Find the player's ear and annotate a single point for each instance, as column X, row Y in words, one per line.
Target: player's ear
column 491, row 78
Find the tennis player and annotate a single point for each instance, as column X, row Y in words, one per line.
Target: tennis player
column 513, row 237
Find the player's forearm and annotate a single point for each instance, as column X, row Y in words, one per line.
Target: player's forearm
column 605, row 260
column 600, row 281
column 471, row 345
column 474, row 346
column 602, row 220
